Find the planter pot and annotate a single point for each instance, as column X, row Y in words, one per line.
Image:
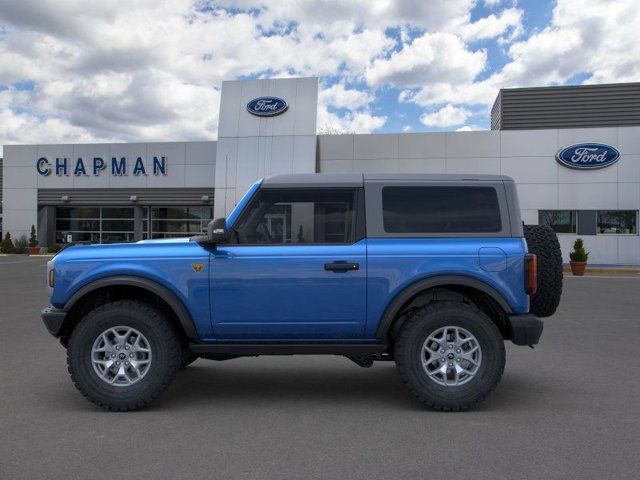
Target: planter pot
column 578, row 268
column 34, row 250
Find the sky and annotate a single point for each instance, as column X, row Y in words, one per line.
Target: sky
column 74, row 71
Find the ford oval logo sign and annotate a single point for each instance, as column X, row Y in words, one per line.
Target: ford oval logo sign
column 588, row 156
column 267, row 106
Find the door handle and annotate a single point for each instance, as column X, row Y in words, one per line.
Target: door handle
column 337, row 266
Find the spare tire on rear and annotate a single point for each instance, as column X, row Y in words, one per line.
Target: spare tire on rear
column 543, row 242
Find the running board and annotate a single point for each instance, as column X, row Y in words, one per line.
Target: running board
column 289, row 348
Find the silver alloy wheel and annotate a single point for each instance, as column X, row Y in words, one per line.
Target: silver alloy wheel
column 451, row 356
column 121, row 356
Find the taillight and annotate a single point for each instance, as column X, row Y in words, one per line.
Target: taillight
column 530, row 273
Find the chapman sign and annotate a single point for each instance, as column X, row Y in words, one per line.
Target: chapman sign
column 116, row 166
column 588, row 156
column 267, row 106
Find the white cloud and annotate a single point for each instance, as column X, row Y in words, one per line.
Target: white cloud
column 468, row 128
column 433, row 57
column 509, row 20
column 583, row 37
column 339, row 96
column 151, row 69
column 447, row 116
column 351, row 122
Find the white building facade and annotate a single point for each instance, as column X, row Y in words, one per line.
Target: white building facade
column 127, row 192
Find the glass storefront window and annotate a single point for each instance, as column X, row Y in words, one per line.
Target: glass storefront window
column 562, row 221
column 94, row 224
column 618, row 222
column 168, row 222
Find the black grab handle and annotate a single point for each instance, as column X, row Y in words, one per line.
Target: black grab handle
column 341, row 266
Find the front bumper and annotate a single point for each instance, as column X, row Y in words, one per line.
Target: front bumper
column 525, row 329
column 53, row 319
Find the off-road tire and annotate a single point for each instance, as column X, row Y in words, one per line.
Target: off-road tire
column 543, row 242
column 165, row 347
column 424, row 321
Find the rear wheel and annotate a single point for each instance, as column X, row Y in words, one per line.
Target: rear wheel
column 122, row 355
column 450, row 355
column 543, row 242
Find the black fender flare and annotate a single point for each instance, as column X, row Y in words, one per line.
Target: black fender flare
column 178, row 307
column 410, row 291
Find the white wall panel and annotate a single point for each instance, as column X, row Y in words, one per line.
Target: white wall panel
column 304, row 154
column 19, row 177
column 472, row 144
column 368, row 147
column 528, row 143
column 629, row 168
column 588, row 196
column 572, row 175
column 530, row 169
column 629, row 140
column 421, row 165
column 571, row 136
column 305, row 108
column 538, row 196
column 336, row 166
column 199, row 176
column 423, row 145
column 473, row 165
column 629, row 249
column 22, row 155
column 376, row 166
column 335, row 147
column 629, row 196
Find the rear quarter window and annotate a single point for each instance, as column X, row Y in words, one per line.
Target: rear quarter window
column 441, row 209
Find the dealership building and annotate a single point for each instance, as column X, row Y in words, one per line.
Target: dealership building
column 574, row 153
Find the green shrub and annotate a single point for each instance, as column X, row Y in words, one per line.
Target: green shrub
column 579, row 254
column 54, row 249
column 21, row 244
column 7, row 245
column 33, row 238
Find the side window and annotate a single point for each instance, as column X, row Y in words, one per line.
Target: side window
column 441, row 209
column 288, row 216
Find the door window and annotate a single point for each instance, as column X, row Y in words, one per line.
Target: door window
column 311, row 216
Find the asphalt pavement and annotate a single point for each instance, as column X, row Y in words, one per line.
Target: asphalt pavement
column 567, row 409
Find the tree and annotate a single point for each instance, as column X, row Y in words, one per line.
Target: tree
column 7, row 244
column 33, row 238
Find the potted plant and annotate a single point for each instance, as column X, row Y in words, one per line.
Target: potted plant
column 33, row 242
column 578, row 258
column 7, row 244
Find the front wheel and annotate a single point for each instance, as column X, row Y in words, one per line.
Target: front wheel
column 123, row 354
column 450, row 355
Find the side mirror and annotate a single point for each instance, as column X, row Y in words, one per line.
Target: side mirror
column 217, row 231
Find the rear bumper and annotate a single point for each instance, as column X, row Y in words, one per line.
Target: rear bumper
column 53, row 319
column 525, row 329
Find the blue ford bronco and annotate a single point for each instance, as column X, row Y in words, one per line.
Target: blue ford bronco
column 434, row 272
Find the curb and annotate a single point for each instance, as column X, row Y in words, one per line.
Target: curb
column 608, row 271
